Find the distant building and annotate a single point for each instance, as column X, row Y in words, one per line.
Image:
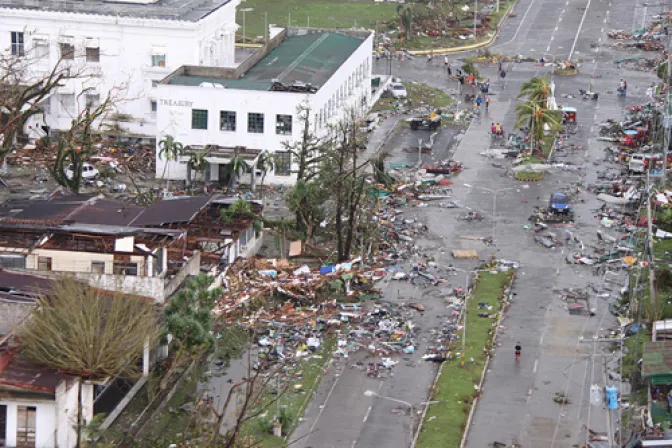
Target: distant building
column 254, row 107
column 133, row 43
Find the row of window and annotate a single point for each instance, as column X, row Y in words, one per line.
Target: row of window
column 67, row 49
column 228, row 121
column 97, row 267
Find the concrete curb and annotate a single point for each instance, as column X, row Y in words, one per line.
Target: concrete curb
column 485, row 43
column 485, row 369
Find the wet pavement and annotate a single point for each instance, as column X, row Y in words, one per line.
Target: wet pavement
column 517, row 403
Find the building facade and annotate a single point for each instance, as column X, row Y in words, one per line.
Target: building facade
column 129, row 45
column 257, row 107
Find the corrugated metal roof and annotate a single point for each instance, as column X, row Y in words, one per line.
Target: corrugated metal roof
column 171, row 211
column 657, row 359
column 311, row 58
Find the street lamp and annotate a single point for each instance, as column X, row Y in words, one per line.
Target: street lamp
column 495, row 192
column 411, row 407
column 244, row 10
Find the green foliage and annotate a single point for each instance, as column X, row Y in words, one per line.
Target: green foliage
column 537, row 89
column 286, row 419
column 538, row 117
column 188, row 314
column 664, row 219
column 306, row 199
column 94, row 335
column 661, row 71
column 197, row 162
column 236, row 166
column 378, row 164
column 405, row 14
column 470, row 69
column 264, row 425
column 239, row 210
column 169, row 149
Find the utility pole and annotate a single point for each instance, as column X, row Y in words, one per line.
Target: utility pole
column 475, row 16
column 649, row 245
column 666, row 113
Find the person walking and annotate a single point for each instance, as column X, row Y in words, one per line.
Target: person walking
column 502, row 78
column 479, row 101
column 649, row 92
column 487, row 103
column 445, row 61
column 519, row 349
column 460, row 81
column 449, row 71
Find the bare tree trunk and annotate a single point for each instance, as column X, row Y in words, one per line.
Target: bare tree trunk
column 339, row 204
column 78, row 443
column 220, row 417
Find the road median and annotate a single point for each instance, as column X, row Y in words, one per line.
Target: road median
column 458, row 386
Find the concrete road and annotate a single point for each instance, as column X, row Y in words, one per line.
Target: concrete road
column 517, row 404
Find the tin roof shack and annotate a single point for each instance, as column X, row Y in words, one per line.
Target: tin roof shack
column 220, row 232
column 657, row 369
column 38, row 404
column 18, row 294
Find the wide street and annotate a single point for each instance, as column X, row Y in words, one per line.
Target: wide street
column 517, row 402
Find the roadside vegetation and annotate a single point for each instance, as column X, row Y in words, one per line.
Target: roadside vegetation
column 457, row 386
column 418, row 95
column 413, row 25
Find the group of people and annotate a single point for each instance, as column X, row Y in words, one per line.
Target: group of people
column 496, row 130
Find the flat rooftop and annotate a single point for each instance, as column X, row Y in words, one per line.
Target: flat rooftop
column 310, row 58
column 184, row 10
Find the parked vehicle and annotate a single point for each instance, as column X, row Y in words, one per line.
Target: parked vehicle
column 398, row 90
column 429, row 122
column 559, row 204
column 89, row 172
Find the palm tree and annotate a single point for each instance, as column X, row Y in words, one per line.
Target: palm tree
column 265, row 163
column 536, row 89
column 539, row 118
column 405, row 19
column 236, row 166
column 197, row 162
column 169, row 149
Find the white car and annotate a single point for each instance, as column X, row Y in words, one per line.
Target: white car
column 398, row 90
column 89, row 172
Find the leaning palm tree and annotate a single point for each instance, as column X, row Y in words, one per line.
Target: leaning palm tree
column 539, row 119
column 236, row 166
column 265, row 163
column 169, row 149
column 198, row 162
column 536, row 89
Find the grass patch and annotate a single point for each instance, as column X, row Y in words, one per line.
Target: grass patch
column 528, row 176
column 446, row 420
column 320, row 14
column 347, row 14
column 418, row 95
column 662, row 250
column 532, row 160
column 308, row 374
column 566, row 71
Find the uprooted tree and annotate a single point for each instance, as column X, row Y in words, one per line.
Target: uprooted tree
column 93, row 335
column 23, row 92
column 75, row 146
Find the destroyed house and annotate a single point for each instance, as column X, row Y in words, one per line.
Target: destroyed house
column 121, row 247
column 38, row 404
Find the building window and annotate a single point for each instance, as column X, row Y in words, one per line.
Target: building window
column 283, row 124
column 124, row 268
column 255, row 123
column 44, row 263
column 92, row 100
column 92, row 54
column 227, row 120
column 155, row 106
column 41, row 48
column 67, row 103
column 199, row 119
column 283, row 163
column 67, row 50
column 158, row 60
column 98, row 267
column 25, row 426
column 18, row 48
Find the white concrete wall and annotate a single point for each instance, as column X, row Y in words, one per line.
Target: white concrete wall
column 45, row 422
column 126, row 46
column 66, row 261
column 349, row 88
column 66, row 411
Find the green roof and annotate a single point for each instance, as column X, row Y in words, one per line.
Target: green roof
column 310, row 58
column 657, row 362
